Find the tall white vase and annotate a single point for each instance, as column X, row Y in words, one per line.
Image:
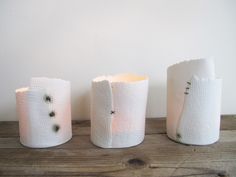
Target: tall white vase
column 193, row 102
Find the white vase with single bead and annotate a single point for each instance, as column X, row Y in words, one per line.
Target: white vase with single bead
column 118, row 108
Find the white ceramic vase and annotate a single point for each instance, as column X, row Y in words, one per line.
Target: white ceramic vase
column 118, row 107
column 193, row 102
column 44, row 112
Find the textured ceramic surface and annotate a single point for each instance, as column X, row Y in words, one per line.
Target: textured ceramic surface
column 44, row 112
column 118, row 107
column 194, row 102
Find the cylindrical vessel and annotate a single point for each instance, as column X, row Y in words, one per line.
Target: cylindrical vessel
column 118, row 108
column 193, row 102
column 44, row 112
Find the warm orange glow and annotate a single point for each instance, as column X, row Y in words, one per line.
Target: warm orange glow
column 24, row 89
column 121, row 78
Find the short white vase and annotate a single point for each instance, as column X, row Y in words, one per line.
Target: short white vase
column 44, row 112
column 118, row 107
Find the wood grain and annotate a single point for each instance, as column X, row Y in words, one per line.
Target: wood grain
column 156, row 156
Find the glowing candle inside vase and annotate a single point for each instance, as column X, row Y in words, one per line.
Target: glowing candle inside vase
column 118, row 107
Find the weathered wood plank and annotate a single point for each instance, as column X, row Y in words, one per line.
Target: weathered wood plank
column 173, row 170
column 156, row 156
column 156, row 153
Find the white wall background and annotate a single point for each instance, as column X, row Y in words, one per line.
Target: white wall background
column 79, row 40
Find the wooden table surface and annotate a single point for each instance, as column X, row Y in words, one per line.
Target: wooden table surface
column 156, row 156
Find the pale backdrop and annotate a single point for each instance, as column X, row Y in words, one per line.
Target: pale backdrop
column 78, row 40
